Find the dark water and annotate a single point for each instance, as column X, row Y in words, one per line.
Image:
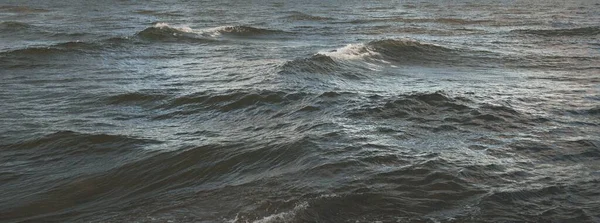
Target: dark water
column 299, row 111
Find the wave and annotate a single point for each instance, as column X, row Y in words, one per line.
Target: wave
column 234, row 100
column 39, row 56
column 414, row 105
column 299, row 16
column 13, row 26
column 584, row 31
column 449, row 112
column 210, row 166
column 397, row 51
column 315, row 64
column 53, row 49
column 65, row 48
column 407, row 192
column 168, row 33
column 68, row 157
column 158, row 13
column 393, row 50
column 67, row 142
column 135, row 98
column 593, row 111
column 552, row 202
column 241, row 31
column 448, row 21
column 22, row 9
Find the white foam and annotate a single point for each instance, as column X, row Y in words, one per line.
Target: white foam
column 351, row 52
column 287, row 216
column 214, row 32
column 181, row 28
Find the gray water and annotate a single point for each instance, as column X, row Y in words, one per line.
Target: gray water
column 299, row 111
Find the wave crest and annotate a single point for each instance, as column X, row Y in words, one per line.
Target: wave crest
column 244, row 31
column 166, row 32
column 397, row 51
column 394, row 50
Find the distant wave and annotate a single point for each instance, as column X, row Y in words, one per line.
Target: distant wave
column 166, row 32
column 22, row 9
column 48, row 50
column 594, row 111
column 448, row 21
column 158, row 13
column 584, row 31
column 13, row 26
column 299, row 16
column 65, row 47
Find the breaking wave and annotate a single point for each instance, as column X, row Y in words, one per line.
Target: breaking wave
column 396, row 50
column 166, row 32
column 382, row 52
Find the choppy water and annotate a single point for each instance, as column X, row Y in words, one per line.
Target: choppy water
column 299, row 111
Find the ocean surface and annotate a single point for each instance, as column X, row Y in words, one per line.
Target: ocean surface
column 299, row 111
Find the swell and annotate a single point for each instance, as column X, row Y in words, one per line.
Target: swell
column 234, row 100
column 66, row 47
column 38, row 166
column 74, row 47
column 64, row 142
column 439, row 112
column 413, row 105
column 401, row 192
column 135, row 98
column 138, row 182
column 583, row 31
column 552, row 203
